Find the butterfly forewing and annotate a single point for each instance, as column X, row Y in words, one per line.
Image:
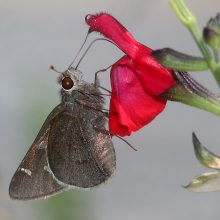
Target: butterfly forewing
column 33, row 178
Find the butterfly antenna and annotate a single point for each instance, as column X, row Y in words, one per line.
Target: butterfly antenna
column 77, row 54
column 51, row 67
column 90, row 45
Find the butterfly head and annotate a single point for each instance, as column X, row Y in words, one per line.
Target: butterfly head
column 70, row 80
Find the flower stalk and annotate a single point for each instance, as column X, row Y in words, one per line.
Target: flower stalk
column 190, row 92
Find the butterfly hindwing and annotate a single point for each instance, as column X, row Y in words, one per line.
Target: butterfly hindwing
column 84, row 156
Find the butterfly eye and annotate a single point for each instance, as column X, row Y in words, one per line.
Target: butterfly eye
column 67, row 83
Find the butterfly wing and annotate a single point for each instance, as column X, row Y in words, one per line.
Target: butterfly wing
column 80, row 154
column 33, row 178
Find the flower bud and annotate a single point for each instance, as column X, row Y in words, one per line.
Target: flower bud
column 211, row 33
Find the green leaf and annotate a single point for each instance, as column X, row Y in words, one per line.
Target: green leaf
column 204, row 156
column 205, row 182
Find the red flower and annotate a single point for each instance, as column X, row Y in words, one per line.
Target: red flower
column 137, row 79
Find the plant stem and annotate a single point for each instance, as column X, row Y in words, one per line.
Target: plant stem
column 189, row 20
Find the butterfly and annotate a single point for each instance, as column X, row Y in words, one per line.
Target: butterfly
column 72, row 149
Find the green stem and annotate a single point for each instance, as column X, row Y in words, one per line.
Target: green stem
column 212, row 106
column 188, row 19
column 190, row 92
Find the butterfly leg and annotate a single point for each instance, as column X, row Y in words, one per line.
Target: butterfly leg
column 92, row 106
column 96, row 82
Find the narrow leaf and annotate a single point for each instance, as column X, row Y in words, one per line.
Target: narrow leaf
column 204, row 156
column 205, row 182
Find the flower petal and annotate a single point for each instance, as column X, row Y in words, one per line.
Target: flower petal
column 155, row 78
column 131, row 107
column 112, row 29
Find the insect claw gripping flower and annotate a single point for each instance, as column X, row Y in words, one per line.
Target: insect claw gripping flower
column 137, row 79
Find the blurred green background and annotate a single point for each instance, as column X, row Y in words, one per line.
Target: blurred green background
column 147, row 184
